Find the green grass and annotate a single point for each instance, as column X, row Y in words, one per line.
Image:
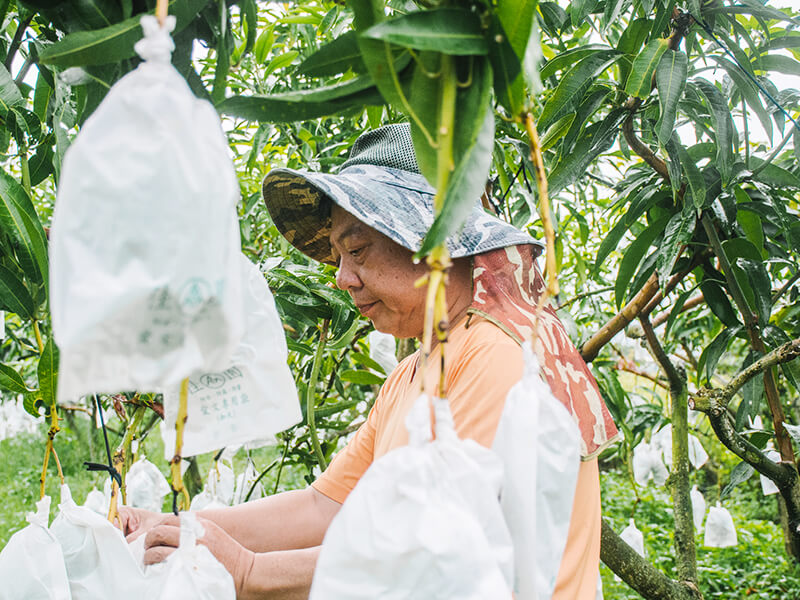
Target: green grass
column 757, row 568
column 21, row 463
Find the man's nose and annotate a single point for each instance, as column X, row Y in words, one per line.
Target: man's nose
column 346, row 277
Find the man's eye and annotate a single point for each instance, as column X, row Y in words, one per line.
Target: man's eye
column 356, row 251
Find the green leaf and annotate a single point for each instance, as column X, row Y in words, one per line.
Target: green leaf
column 718, row 302
column 723, row 126
column 473, row 145
column 697, row 183
column 595, row 140
column 367, row 361
column 708, row 360
column 557, row 131
column 338, row 56
column 678, row 232
column 566, row 59
column 670, row 81
column 579, row 10
column 518, row 18
column 573, row 85
column 223, row 51
column 633, row 257
column 749, row 91
column 793, row 431
column 751, row 226
column 9, row 92
column 740, row 473
column 47, row 371
column 676, row 309
column 507, row 69
column 361, row 377
column 114, row 43
column 752, row 393
column 303, row 104
column 752, row 8
column 773, row 175
column 553, row 16
column 640, row 81
column 19, row 219
column 250, row 13
column 14, row 296
column 450, row 30
column 11, row 381
column 776, row 62
column 263, row 45
column 761, row 285
column 425, row 93
column 32, row 403
column 281, row 61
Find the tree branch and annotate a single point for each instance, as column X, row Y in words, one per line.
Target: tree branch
column 591, row 348
column 685, row 551
column 783, row 474
column 751, row 324
column 707, row 398
column 638, row 573
column 688, row 305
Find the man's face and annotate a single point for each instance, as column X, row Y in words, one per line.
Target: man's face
column 379, row 275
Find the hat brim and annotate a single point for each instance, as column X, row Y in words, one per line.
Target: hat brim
column 397, row 203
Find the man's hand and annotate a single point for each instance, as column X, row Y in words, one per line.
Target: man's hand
column 135, row 522
column 163, row 539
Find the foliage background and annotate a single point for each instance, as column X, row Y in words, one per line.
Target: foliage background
column 618, row 222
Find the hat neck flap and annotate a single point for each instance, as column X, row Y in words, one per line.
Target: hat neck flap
column 506, row 289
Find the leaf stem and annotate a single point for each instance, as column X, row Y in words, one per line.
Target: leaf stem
column 175, row 464
column 38, row 335
column 311, row 396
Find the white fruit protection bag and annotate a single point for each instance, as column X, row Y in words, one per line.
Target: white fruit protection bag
column 191, row 572
column 424, row 521
column 98, row 562
column 253, row 396
column 720, row 531
column 144, row 249
column 32, row 564
column 146, row 486
column 539, row 444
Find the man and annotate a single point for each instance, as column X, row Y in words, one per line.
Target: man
column 367, row 219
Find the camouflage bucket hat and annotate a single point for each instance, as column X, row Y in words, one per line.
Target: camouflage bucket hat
column 380, row 184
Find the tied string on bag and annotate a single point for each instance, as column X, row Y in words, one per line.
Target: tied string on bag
column 109, row 468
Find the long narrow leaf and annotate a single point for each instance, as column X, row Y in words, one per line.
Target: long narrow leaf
column 114, row 43
column 697, row 184
column 670, row 81
column 304, row 104
column 723, row 126
column 14, row 296
column 574, row 83
column 644, row 65
column 476, row 122
column 19, row 219
column 634, row 255
column 47, row 371
column 11, row 381
column 594, row 141
column 450, row 30
column 335, row 57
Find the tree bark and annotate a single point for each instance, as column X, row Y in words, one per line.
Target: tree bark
column 638, row 573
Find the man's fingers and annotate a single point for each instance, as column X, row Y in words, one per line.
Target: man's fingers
column 163, row 535
column 157, row 555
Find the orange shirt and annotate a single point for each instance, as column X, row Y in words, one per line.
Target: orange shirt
column 482, row 364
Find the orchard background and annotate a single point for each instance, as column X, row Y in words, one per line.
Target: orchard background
column 670, row 139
